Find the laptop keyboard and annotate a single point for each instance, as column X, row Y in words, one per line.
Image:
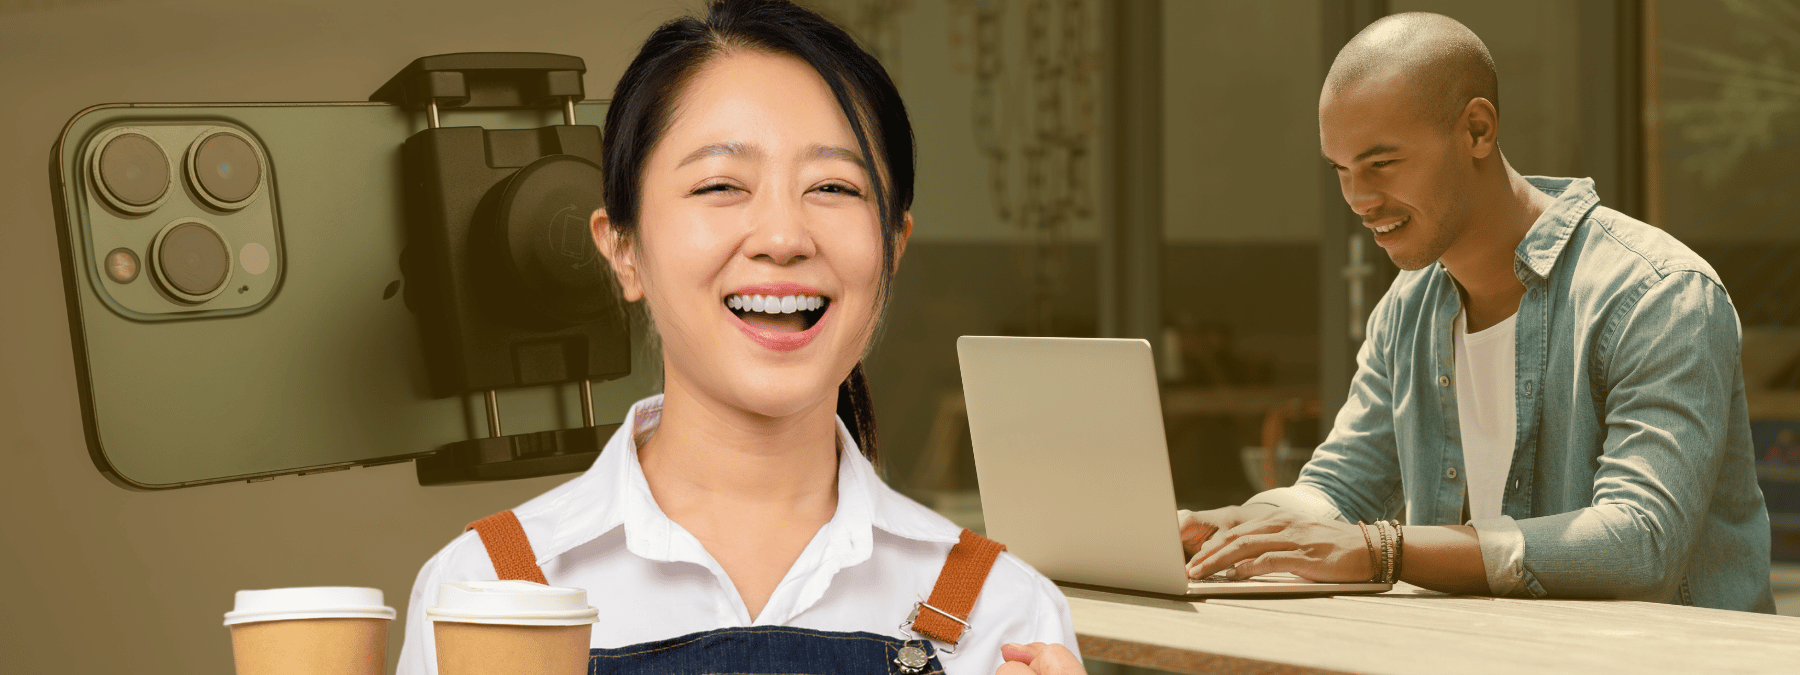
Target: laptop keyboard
column 1272, row 577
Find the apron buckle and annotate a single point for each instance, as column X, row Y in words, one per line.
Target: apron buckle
column 950, row 647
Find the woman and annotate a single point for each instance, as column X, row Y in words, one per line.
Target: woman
column 758, row 175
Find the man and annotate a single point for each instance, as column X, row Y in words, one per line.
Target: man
column 1550, row 391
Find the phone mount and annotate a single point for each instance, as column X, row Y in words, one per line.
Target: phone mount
column 500, row 268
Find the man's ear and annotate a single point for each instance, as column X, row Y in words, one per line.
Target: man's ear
column 618, row 253
column 1482, row 124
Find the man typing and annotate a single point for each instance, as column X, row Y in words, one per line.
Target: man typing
column 1550, row 391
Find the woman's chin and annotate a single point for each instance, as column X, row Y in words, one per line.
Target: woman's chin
column 784, row 395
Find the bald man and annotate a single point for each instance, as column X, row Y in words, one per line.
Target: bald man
column 1550, row 391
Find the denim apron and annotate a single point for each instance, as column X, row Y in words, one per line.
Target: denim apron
column 761, row 650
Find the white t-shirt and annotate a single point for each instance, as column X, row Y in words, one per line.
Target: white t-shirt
column 877, row 557
column 1486, row 410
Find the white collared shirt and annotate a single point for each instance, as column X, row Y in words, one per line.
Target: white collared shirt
column 877, row 557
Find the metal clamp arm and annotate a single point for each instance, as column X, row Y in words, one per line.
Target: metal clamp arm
column 486, row 80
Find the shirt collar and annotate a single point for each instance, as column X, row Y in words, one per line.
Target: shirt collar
column 613, row 493
column 1545, row 241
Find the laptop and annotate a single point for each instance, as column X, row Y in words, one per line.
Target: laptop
column 1074, row 468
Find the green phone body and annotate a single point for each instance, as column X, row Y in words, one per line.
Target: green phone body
column 307, row 359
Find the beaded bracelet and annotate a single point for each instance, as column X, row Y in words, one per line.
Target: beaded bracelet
column 1381, row 564
column 1381, row 549
column 1387, row 552
column 1394, row 555
column 1374, row 565
column 1399, row 548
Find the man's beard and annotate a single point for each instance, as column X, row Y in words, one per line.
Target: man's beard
column 1445, row 235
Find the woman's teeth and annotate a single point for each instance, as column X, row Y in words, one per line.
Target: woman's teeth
column 769, row 304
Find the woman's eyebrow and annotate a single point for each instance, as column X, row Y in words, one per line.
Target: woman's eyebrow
column 750, row 151
column 726, row 149
column 830, row 152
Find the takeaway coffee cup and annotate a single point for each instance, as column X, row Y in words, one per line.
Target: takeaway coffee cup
column 320, row 630
column 513, row 627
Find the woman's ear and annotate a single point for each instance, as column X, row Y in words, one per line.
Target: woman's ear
column 618, row 253
column 906, row 224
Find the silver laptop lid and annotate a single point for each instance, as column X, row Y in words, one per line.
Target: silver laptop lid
column 1071, row 459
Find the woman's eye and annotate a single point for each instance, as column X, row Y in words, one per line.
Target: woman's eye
column 839, row 188
column 715, row 187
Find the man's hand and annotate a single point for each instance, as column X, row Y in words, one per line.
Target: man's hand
column 1283, row 541
column 1038, row 658
column 1199, row 526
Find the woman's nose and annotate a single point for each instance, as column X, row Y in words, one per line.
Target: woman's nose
column 779, row 233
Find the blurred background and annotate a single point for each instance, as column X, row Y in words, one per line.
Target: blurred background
column 1139, row 168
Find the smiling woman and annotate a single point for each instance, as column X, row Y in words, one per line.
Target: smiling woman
column 761, row 202
column 758, row 175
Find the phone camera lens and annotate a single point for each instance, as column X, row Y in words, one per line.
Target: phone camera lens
column 191, row 260
column 226, row 168
column 134, row 171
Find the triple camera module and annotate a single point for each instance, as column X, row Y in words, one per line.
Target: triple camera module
column 181, row 220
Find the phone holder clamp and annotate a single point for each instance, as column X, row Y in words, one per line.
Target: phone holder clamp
column 508, row 286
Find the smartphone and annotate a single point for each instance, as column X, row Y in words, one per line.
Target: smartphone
column 235, row 297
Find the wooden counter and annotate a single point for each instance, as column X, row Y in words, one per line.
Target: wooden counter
column 1412, row 630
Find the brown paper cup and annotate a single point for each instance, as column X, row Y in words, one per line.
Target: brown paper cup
column 511, row 627
column 314, row 630
column 492, row 649
column 310, row 647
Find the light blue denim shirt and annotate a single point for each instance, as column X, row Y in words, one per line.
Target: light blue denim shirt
column 1632, row 474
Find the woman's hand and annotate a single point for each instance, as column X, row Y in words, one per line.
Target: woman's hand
column 1038, row 658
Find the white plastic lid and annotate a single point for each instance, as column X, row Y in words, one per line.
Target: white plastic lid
column 516, row 603
column 310, row 602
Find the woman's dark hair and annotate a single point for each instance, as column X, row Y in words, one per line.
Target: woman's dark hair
column 644, row 104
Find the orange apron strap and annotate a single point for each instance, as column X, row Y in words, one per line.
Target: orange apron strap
column 508, row 548
column 945, row 617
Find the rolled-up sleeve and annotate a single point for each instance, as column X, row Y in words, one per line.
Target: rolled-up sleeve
column 1503, row 554
column 1305, row 499
column 1668, row 364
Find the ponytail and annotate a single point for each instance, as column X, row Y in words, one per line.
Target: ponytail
column 857, row 410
